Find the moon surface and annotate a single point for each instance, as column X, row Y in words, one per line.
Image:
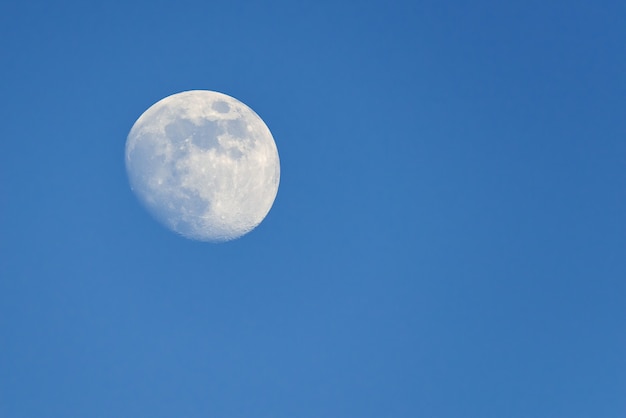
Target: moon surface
column 204, row 165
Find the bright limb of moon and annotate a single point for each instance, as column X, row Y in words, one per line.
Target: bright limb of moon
column 204, row 164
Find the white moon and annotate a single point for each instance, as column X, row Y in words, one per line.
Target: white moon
column 204, row 164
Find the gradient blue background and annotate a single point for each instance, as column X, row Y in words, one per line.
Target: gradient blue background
column 448, row 240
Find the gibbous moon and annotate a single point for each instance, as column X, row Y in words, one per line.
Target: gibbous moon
column 204, row 165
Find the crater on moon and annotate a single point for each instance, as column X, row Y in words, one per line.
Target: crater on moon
column 204, row 164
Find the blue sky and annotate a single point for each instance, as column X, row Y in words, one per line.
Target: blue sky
column 448, row 238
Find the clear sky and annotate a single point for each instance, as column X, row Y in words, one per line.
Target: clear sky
column 448, row 239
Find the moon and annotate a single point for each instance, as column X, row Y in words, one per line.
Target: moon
column 204, row 164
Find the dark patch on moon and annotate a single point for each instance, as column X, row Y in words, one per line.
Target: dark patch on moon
column 179, row 131
column 237, row 128
column 221, row 107
column 205, row 136
column 193, row 204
